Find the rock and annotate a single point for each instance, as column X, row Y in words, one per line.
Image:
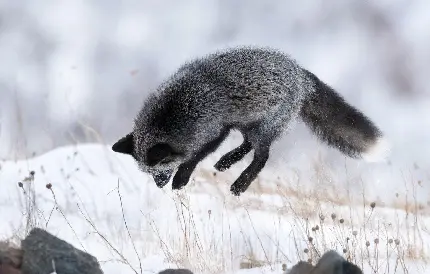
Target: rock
column 8, row 269
column 330, row 263
column 10, row 255
column 301, row 268
column 10, row 259
column 176, row 271
column 41, row 249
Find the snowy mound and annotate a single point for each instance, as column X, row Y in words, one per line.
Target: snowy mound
column 100, row 202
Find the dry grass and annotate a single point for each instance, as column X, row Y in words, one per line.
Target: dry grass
column 383, row 237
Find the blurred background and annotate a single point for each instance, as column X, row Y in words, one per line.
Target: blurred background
column 75, row 71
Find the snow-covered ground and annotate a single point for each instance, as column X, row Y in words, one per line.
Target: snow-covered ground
column 66, row 62
column 100, row 202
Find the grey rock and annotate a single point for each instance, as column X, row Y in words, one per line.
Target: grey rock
column 10, row 255
column 301, row 268
column 175, row 271
column 330, row 263
column 41, row 249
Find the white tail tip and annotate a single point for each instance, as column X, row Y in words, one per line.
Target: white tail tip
column 378, row 152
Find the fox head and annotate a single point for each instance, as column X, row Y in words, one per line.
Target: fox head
column 160, row 159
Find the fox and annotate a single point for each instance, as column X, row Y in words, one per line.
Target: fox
column 258, row 91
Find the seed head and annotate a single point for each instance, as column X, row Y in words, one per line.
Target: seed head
column 372, row 205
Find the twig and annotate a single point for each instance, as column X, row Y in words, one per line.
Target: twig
column 128, row 231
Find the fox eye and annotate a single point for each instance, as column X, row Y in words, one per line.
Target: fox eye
column 166, row 160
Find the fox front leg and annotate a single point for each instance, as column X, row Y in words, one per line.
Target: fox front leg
column 233, row 156
column 182, row 176
column 245, row 179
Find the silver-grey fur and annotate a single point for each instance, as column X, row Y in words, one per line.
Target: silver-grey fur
column 258, row 91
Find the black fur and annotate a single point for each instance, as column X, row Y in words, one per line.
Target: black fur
column 160, row 153
column 124, row 145
column 261, row 155
column 233, row 156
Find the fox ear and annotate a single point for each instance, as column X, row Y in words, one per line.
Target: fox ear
column 161, row 152
column 124, row 145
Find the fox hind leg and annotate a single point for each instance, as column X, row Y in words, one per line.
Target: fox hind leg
column 234, row 156
column 261, row 155
column 260, row 136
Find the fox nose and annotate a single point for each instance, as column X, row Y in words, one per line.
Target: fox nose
column 162, row 178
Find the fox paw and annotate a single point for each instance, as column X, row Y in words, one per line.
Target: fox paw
column 223, row 164
column 236, row 189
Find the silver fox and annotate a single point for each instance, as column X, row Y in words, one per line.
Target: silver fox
column 258, row 91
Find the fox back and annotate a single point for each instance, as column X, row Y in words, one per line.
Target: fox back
column 226, row 89
column 258, row 91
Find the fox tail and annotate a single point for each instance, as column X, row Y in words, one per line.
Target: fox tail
column 340, row 125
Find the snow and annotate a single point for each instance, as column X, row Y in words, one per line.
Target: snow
column 95, row 195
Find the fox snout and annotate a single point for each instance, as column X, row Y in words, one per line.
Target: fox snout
column 162, row 178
